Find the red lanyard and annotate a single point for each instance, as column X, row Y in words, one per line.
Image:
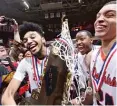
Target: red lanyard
column 35, row 62
column 36, row 71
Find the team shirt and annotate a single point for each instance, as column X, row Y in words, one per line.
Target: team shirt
column 34, row 68
column 103, row 74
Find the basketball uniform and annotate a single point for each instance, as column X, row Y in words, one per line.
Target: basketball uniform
column 103, row 76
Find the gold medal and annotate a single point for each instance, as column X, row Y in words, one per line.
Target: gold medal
column 89, row 90
column 97, row 96
column 55, row 51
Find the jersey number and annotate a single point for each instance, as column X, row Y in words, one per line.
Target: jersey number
column 108, row 98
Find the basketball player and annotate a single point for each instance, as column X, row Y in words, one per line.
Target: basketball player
column 33, row 39
column 84, row 46
column 102, row 68
column 102, row 61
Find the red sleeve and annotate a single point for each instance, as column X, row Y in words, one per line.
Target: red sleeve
column 15, row 64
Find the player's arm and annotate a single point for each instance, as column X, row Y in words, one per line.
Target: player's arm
column 8, row 95
column 89, row 96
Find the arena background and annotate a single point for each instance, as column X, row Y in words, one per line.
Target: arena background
column 48, row 13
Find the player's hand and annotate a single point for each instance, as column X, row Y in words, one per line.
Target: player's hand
column 75, row 102
column 1, row 19
column 15, row 26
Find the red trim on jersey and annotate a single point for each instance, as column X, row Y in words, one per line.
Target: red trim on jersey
column 103, row 74
column 103, row 56
column 106, row 68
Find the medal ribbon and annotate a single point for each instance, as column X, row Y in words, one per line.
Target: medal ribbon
column 36, row 70
column 35, row 61
column 98, row 82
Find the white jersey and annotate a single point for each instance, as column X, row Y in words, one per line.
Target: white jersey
column 104, row 79
column 30, row 66
column 80, row 64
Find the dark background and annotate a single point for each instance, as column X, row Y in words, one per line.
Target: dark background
column 81, row 15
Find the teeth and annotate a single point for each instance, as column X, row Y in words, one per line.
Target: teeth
column 99, row 26
column 32, row 46
column 80, row 47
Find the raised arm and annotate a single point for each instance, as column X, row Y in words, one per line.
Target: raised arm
column 16, row 32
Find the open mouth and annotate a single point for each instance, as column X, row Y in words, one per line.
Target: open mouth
column 80, row 48
column 32, row 47
column 100, row 27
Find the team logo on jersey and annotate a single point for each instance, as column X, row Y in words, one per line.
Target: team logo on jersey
column 107, row 79
column 110, row 81
column 99, row 78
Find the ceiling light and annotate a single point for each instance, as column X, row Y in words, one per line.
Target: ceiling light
column 79, row 1
column 26, row 5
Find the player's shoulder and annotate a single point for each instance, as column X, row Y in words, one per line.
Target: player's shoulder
column 26, row 60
